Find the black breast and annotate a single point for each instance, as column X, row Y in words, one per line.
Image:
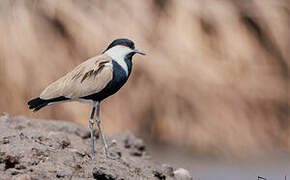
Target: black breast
column 119, row 79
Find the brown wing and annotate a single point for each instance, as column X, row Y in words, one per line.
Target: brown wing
column 87, row 78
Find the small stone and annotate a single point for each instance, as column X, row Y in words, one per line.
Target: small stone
column 65, row 143
column 159, row 175
column 62, row 139
column 182, row 174
column 136, row 153
column 129, row 139
column 60, row 175
column 20, row 166
column 168, row 170
column 22, row 136
column 82, row 133
column 114, row 142
column 139, row 144
column 37, row 152
column 119, row 153
column 5, row 140
column 78, row 152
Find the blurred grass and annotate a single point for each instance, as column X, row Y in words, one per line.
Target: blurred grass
column 215, row 79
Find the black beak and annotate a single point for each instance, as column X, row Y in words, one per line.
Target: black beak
column 139, row 52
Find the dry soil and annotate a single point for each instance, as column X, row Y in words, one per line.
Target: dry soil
column 48, row 149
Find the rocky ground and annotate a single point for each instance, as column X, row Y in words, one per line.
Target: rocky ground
column 47, row 149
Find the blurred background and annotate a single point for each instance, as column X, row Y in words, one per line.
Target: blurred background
column 214, row 82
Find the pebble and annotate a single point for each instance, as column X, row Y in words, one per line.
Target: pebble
column 5, row 140
column 182, row 174
column 168, row 170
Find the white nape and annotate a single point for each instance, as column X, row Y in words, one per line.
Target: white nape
column 118, row 54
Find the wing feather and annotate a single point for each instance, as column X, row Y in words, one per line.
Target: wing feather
column 87, row 78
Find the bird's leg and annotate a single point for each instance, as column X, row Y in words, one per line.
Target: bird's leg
column 102, row 134
column 92, row 131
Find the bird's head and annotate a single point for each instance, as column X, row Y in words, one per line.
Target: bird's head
column 122, row 48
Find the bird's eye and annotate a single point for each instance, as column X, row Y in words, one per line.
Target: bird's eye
column 124, row 44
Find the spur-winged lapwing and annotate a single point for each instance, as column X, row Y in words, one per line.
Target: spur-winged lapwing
column 92, row 81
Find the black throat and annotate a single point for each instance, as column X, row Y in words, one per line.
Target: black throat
column 128, row 60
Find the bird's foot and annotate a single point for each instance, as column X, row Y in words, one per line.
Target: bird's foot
column 92, row 154
column 113, row 157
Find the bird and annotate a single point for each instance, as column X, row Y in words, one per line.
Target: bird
column 92, row 81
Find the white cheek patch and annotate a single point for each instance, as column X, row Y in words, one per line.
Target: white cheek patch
column 118, row 54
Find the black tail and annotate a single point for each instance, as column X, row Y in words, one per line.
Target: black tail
column 39, row 103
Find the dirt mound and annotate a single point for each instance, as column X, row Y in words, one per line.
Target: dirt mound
column 38, row 149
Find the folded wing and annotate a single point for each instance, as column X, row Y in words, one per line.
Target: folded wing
column 88, row 78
